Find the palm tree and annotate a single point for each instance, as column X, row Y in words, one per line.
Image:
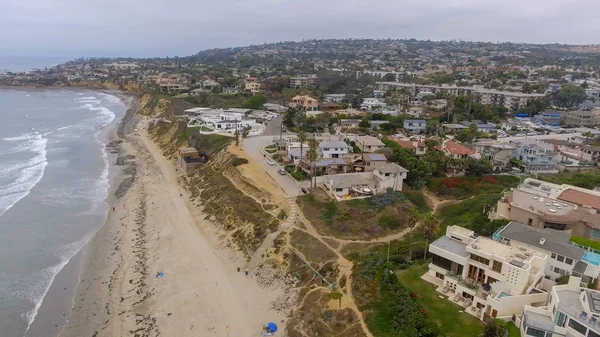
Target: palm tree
column 413, row 217
column 301, row 139
column 429, row 224
column 311, row 156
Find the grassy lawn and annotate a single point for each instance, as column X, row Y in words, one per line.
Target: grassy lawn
column 443, row 312
column 298, row 175
column 513, row 331
column 587, row 180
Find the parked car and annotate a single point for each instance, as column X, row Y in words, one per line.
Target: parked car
column 281, row 171
column 270, row 162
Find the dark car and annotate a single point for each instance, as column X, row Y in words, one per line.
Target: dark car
column 304, row 190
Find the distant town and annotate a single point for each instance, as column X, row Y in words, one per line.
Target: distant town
column 496, row 146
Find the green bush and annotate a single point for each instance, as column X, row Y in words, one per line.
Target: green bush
column 418, row 199
column 389, row 221
column 472, row 214
column 331, row 209
column 237, row 161
column 281, row 215
column 585, row 242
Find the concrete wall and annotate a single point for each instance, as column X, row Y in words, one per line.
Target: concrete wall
column 513, row 305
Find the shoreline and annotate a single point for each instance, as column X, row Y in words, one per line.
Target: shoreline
column 154, row 228
column 53, row 312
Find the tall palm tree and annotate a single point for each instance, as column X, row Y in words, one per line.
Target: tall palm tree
column 413, row 218
column 311, row 156
column 429, row 224
column 301, row 139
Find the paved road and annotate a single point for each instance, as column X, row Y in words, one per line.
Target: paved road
column 273, row 127
column 253, row 146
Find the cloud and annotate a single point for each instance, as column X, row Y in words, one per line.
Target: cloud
column 182, row 27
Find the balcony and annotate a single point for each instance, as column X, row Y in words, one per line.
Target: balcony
column 470, row 284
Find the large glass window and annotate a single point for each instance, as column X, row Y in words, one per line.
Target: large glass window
column 560, row 318
column 577, row 326
column 595, row 233
column 497, row 266
column 535, row 332
column 593, row 334
column 480, row 259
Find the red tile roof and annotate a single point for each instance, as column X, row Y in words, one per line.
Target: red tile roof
column 409, row 144
column 580, row 198
column 455, row 148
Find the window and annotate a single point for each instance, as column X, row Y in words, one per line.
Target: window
column 338, row 189
column 560, row 258
column 439, row 275
column 535, row 332
column 554, row 256
column 593, row 334
column 595, row 233
column 568, row 261
column 497, row 266
column 491, row 280
column 577, row 326
column 560, row 318
column 480, row 259
column 559, row 271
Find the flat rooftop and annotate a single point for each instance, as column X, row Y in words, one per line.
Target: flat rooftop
column 515, row 255
column 452, row 246
column 540, row 205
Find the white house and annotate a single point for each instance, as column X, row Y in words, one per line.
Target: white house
column 222, row 120
column 372, row 103
column 334, row 98
column 333, row 149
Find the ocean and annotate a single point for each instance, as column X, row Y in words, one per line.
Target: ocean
column 54, row 179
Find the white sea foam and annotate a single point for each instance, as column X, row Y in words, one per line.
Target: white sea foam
column 28, row 174
column 43, row 279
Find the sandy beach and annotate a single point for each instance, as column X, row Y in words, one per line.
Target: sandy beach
column 151, row 229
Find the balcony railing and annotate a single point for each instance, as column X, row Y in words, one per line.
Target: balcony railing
column 470, row 284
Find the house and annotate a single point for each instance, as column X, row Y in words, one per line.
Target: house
column 415, row 111
column 372, row 103
column 327, row 106
column 453, row 128
column 488, row 278
column 369, row 144
column 563, row 255
column 550, row 118
column 305, row 102
column 591, row 153
column 415, row 125
column 333, row 149
column 350, row 123
column 416, row 147
column 210, row 84
column 560, row 207
column 225, row 119
column 499, row 154
column 455, row 150
column 481, row 126
column 335, row 98
column 252, row 84
column 536, row 156
column 572, row 310
column 380, row 180
column 231, row 90
column 280, row 145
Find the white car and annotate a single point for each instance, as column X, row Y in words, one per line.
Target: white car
column 270, row 162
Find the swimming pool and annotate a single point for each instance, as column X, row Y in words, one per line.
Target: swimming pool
column 503, row 294
column 591, row 258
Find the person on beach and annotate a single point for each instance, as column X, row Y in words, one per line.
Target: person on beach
column 246, row 271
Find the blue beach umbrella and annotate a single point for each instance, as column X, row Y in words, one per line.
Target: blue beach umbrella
column 272, row 326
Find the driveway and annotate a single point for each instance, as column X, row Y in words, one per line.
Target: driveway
column 253, row 146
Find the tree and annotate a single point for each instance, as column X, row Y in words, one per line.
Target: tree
column 413, row 219
column 364, row 124
column 255, row 102
column 429, row 224
column 476, row 167
column 536, row 106
column 389, row 77
column 588, row 135
column 569, row 96
column 301, row 138
column 432, row 125
column 495, row 328
column 312, row 156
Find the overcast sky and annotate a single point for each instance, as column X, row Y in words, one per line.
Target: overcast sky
column 182, row 27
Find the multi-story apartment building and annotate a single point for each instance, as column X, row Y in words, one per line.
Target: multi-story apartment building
column 303, row 81
column 572, row 311
column 513, row 101
column 588, row 119
column 560, row 207
column 536, row 156
column 488, row 278
column 252, row 84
